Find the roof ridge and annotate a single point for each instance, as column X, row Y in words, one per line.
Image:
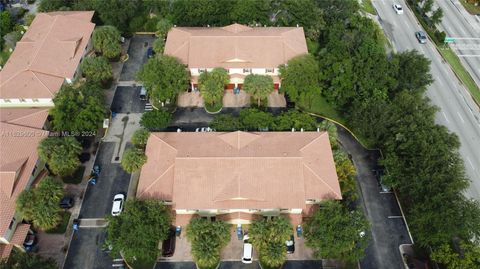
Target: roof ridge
column 42, row 42
column 323, row 181
column 28, row 115
column 41, row 82
column 322, row 134
column 155, row 181
column 156, row 136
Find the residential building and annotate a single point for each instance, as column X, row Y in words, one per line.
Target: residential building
column 21, row 130
column 240, row 49
column 47, row 56
column 239, row 176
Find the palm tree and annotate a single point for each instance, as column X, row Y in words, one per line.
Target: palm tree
column 61, row 154
column 207, row 239
column 133, row 159
column 212, row 85
column 269, row 236
column 259, row 86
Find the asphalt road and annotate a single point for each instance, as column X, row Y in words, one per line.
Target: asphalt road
column 239, row 265
column 85, row 250
column 456, row 25
column 457, row 112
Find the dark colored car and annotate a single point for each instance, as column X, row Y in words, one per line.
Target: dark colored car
column 30, row 241
column 168, row 246
column 67, row 202
column 150, row 52
column 421, row 37
column 290, row 244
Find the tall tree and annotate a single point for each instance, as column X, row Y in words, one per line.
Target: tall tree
column 251, row 12
column 305, row 13
column 140, row 138
column 259, row 86
column 253, row 119
column 23, row 260
column 437, row 16
column 322, row 234
column 300, row 78
column 212, row 85
column 294, row 119
column 115, row 12
column 133, row 159
column 40, row 204
column 207, row 238
column 226, row 122
column 202, row 12
column 107, row 40
column 137, row 232
column 163, row 26
column 155, row 120
column 163, row 78
column 97, row 68
column 61, row 154
column 268, row 236
column 413, row 72
column 78, row 109
column 463, row 255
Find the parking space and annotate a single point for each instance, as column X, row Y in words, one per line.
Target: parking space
column 86, row 250
column 112, row 180
column 137, row 56
column 127, row 100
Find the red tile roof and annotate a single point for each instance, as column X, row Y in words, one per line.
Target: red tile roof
column 239, row 170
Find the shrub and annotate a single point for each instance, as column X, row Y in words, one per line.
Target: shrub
column 140, row 137
column 226, row 122
column 155, row 120
column 133, row 159
column 97, row 69
column 253, row 119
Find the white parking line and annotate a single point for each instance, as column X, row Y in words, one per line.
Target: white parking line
column 395, row 217
column 471, row 164
column 460, row 117
column 445, row 116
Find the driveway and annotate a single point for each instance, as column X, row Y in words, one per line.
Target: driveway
column 239, row 265
column 85, row 250
column 388, row 228
column 98, row 198
column 137, row 56
column 127, row 100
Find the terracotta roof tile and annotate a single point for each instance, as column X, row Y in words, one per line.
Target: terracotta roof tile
column 20, row 233
column 239, row 170
column 48, row 53
column 28, row 117
column 235, row 46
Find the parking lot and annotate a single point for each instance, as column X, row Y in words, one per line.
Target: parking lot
column 137, row 56
column 127, row 100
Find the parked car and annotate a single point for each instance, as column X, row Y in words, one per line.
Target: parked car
column 379, row 173
column 30, row 241
column 96, row 170
column 143, row 94
column 421, row 37
column 398, row 8
column 67, row 202
column 290, row 244
column 118, row 201
column 247, row 252
column 150, row 52
column 168, row 245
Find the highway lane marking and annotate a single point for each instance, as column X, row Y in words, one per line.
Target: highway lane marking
column 395, row 217
column 460, row 117
column 471, row 164
column 445, row 116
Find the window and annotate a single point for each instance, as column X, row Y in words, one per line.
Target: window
column 35, row 100
column 7, row 100
column 22, row 100
column 269, row 70
column 247, row 70
column 202, row 70
column 11, row 224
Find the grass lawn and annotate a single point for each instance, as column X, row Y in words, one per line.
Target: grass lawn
column 366, row 5
column 76, row 177
column 461, row 72
column 62, row 226
column 471, row 8
column 321, row 107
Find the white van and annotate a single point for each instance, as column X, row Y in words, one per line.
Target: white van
column 247, row 252
column 143, row 94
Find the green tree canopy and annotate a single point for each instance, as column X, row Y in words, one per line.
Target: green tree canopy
column 61, row 154
column 253, row 119
column 163, row 78
column 97, row 68
column 305, row 13
column 465, row 255
column 22, row 260
column 116, row 13
column 133, row 159
column 6, row 22
column 107, row 40
column 155, row 120
column 251, row 12
column 78, row 109
column 294, row 119
column 300, row 78
column 225, row 123
column 268, row 236
column 212, row 85
column 207, row 238
column 159, row 45
column 163, row 26
column 139, row 229
column 40, row 204
column 259, row 86
column 140, row 137
column 52, row 5
column 346, row 176
column 323, row 235
column 413, row 71
column 202, row 12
